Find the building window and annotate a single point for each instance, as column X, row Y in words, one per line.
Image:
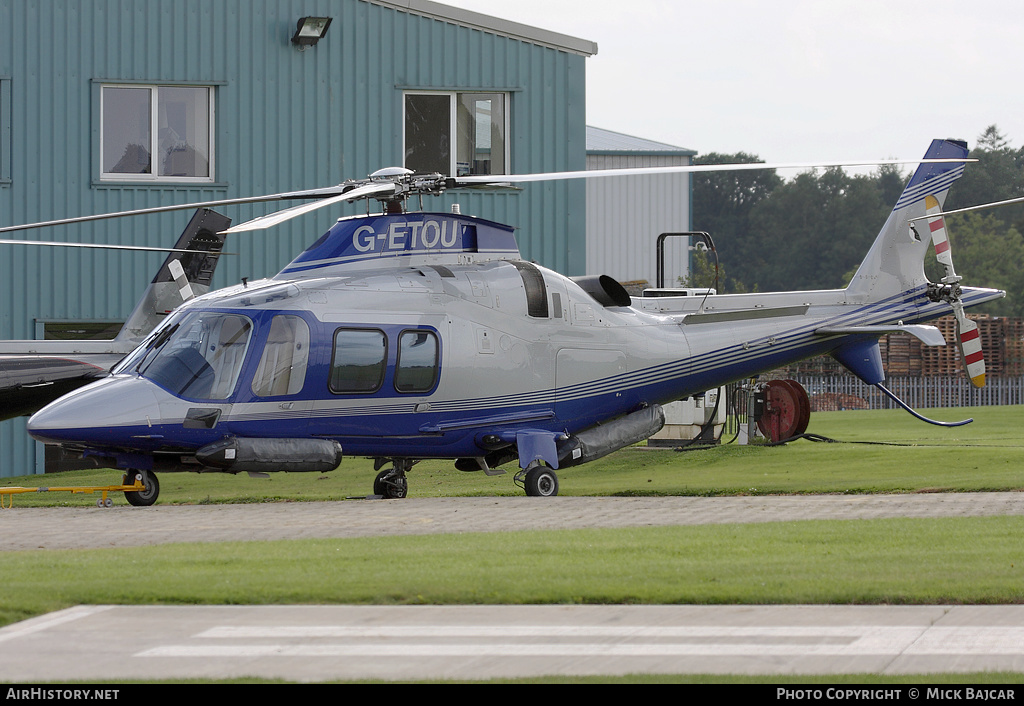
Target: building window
column 78, row 330
column 416, row 370
column 456, row 133
column 156, row 133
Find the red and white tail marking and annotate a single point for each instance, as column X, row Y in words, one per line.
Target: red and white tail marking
column 939, row 239
column 970, row 349
column 970, row 342
column 967, row 330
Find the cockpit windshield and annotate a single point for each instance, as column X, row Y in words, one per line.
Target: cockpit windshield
column 199, row 357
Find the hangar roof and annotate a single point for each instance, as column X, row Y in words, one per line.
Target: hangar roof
column 601, row 141
column 495, row 25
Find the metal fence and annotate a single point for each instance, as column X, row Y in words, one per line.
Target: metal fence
column 835, row 392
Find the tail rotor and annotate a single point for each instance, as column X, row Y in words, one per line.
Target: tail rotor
column 949, row 291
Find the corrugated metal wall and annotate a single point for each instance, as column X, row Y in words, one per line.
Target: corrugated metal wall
column 285, row 119
column 625, row 215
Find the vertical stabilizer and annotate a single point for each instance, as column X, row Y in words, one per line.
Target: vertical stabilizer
column 182, row 276
column 895, row 262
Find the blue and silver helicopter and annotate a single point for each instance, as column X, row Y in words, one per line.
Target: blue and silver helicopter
column 405, row 336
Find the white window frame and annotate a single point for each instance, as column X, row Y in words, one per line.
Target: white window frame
column 5, row 130
column 154, row 118
column 453, row 98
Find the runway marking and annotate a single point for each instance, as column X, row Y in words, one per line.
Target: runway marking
column 45, row 622
column 523, row 631
column 594, row 641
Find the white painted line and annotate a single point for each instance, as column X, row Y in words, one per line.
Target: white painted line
column 45, row 622
column 970, row 640
column 597, row 641
column 522, row 649
column 353, row 631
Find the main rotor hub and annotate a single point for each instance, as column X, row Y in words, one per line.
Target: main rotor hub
column 407, row 183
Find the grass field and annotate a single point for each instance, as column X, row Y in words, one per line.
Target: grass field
column 962, row 560
column 876, row 452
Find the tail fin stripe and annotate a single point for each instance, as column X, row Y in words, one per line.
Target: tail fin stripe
column 913, row 194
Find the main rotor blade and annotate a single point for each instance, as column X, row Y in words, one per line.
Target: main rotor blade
column 683, row 169
column 980, row 207
column 99, row 246
column 307, row 194
column 273, row 219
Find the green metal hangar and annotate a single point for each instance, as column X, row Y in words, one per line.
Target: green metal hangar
column 109, row 105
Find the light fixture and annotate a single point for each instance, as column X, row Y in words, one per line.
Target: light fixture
column 310, row 30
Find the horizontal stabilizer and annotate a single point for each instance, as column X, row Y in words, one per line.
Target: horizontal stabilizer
column 928, row 335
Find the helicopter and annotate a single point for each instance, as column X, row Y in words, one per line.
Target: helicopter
column 35, row 373
column 406, row 335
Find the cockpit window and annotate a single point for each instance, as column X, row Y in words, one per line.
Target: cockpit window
column 200, row 357
column 282, row 368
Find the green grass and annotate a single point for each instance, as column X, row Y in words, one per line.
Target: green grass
column 898, row 561
column 884, row 452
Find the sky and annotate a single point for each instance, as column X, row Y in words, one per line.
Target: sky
column 794, row 80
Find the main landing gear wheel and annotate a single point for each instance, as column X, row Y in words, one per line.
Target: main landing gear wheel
column 141, row 498
column 391, row 483
column 540, row 481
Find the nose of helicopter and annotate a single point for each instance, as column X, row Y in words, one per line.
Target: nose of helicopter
column 106, row 412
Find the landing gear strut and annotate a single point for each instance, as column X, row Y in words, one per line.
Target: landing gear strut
column 391, row 483
column 141, row 498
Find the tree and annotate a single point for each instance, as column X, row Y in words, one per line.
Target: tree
column 992, row 140
column 986, row 253
column 813, row 230
column 998, row 175
column 722, row 202
column 707, row 273
column 816, row 227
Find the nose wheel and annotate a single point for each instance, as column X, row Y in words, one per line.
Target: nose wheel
column 150, row 492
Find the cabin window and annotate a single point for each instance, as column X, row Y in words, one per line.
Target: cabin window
column 456, row 134
column 360, row 358
column 417, row 361
column 282, row 367
column 156, row 133
column 200, row 357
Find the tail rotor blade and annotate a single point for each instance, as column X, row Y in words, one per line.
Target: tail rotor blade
column 937, row 226
column 967, row 330
column 970, row 346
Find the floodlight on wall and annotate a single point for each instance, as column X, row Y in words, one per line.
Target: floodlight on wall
column 310, row 30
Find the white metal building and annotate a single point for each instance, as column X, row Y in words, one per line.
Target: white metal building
column 625, row 215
